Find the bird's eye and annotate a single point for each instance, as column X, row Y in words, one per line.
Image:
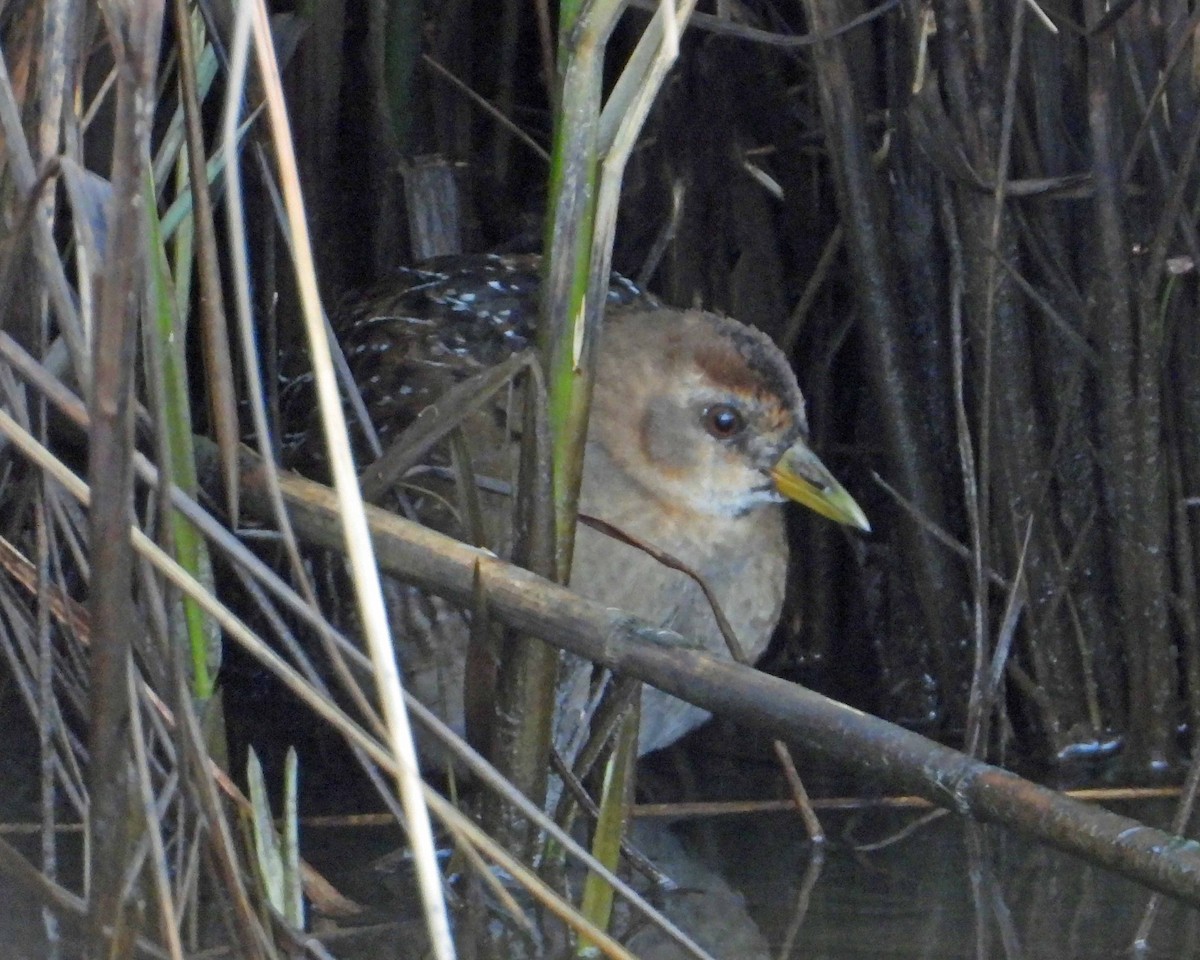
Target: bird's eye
column 723, row 421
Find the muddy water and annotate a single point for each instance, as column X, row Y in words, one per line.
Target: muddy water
column 750, row 888
column 948, row 890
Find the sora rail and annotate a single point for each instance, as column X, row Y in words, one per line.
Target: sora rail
column 697, row 437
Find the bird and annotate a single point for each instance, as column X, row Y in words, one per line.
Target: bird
column 697, row 437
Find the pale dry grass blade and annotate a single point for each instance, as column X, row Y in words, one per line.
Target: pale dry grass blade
column 252, row 20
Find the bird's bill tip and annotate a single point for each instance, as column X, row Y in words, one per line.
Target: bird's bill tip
column 801, row 476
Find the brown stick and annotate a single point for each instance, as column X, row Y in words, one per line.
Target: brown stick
column 110, row 472
column 623, row 643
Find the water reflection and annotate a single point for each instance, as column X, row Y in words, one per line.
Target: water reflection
column 947, row 890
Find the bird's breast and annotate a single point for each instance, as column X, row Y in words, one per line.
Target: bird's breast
column 742, row 559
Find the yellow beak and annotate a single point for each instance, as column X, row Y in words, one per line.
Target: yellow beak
column 800, row 476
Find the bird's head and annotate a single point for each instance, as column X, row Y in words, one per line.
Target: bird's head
column 705, row 413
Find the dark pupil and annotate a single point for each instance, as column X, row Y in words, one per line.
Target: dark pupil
column 723, row 421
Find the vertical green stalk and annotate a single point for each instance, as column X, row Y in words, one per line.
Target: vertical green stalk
column 190, row 550
column 590, row 148
column 525, row 686
column 567, row 334
column 579, row 232
column 571, row 311
column 615, row 798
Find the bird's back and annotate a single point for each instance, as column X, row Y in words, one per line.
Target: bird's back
column 414, row 335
